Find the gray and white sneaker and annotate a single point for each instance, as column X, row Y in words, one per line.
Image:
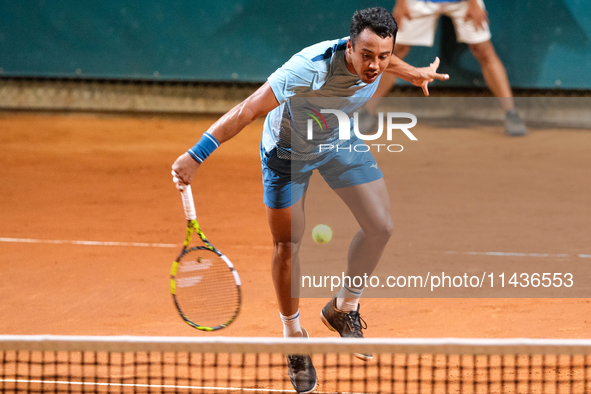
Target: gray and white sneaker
column 347, row 324
column 514, row 126
column 301, row 371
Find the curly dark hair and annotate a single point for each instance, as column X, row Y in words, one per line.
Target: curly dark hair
column 377, row 19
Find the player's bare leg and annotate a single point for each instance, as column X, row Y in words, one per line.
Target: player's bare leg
column 370, row 204
column 495, row 76
column 287, row 228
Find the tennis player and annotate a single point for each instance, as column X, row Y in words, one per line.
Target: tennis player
column 348, row 68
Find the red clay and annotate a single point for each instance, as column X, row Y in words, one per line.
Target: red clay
column 103, row 178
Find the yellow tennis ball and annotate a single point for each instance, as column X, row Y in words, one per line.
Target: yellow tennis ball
column 322, row 233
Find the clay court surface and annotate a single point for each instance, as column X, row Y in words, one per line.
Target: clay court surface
column 107, row 179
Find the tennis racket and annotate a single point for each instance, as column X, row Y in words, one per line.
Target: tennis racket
column 204, row 284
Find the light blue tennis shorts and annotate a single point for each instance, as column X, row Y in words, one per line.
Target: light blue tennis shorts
column 286, row 181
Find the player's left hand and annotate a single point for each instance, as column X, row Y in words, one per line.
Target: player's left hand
column 427, row 75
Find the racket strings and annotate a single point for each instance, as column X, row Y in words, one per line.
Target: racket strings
column 206, row 289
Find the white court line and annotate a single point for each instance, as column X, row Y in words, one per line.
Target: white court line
column 161, row 245
column 160, row 386
column 94, row 243
column 515, row 254
column 103, row 243
column 264, row 247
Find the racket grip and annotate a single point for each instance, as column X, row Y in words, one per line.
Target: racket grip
column 189, row 203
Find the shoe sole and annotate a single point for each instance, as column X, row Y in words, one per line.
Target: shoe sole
column 520, row 134
column 363, row 357
column 309, row 391
column 315, row 383
column 515, row 132
column 306, row 392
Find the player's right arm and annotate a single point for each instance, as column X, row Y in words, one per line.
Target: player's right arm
column 256, row 105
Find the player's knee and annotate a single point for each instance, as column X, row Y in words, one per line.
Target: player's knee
column 381, row 230
column 283, row 250
column 387, row 227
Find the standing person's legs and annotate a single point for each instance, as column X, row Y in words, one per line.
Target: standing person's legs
column 493, row 70
column 418, row 31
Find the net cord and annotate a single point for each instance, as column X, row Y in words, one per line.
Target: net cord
column 449, row 346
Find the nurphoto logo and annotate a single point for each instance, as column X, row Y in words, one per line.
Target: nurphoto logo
column 345, row 128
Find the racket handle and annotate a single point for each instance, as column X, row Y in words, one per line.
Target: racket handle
column 189, row 203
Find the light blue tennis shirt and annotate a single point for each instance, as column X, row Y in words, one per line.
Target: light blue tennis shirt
column 315, row 78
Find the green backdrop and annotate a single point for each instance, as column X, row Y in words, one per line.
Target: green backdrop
column 543, row 44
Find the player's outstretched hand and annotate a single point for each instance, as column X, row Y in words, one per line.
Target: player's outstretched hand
column 183, row 170
column 427, row 75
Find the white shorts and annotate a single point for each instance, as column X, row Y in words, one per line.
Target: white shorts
column 420, row 30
